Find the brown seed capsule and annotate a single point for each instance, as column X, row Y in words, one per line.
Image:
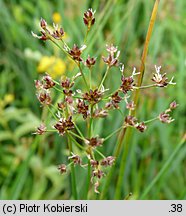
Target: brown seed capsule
column 94, row 163
column 90, row 62
column 44, row 98
column 127, row 84
column 93, row 96
column 108, row 161
column 165, row 118
column 89, row 18
column 130, row 120
column 95, row 141
column 43, row 23
column 48, row 82
column 141, row 127
column 63, row 125
column 173, row 105
column 76, row 159
column 62, row 168
column 76, row 52
column 41, row 129
column 83, row 108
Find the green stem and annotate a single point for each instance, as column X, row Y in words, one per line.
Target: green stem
column 73, row 140
column 73, row 176
column 150, row 120
column 82, row 74
column 114, row 132
column 74, row 134
column 105, row 75
column 52, row 113
column 128, row 133
column 103, row 156
column 163, row 169
column 144, row 87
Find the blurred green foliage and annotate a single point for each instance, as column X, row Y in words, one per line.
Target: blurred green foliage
column 28, row 163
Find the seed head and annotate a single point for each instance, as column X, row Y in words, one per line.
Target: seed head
column 93, row 96
column 95, row 141
column 90, row 62
column 165, row 118
column 127, row 84
column 141, row 127
column 41, row 129
column 62, row 168
column 76, row 159
column 83, row 108
column 89, row 18
column 108, row 161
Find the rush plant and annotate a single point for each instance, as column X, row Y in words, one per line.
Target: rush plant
column 90, row 102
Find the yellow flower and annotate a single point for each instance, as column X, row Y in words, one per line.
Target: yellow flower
column 56, row 17
column 8, row 98
column 54, row 66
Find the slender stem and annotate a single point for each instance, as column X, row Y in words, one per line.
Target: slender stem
column 114, row 132
column 105, row 75
column 74, row 134
column 136, row 97
column 144, row 87
column 145, row 49
column 73, row 176
column 52, row 113
column 90, row 77
column 126, row 133
column 150, row 120
column 103, row 156
column 163, row 169
column 80, row 146
column 78, row 130
column 82, row 74
column 85, row 39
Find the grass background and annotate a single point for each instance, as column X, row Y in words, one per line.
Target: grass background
column 28, row 163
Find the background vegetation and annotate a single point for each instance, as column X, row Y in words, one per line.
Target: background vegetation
column 28, row 163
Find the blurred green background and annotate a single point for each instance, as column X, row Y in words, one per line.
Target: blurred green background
column 28, row 163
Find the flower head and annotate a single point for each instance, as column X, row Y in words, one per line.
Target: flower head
column 89, row 18
column 62, row 168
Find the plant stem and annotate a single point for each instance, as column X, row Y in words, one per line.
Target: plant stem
column 74, row 134
column 163, row 169
column 105, row 75
column 126, row 133
column 73, row 177
column 114, row 132
column 82, row 74
column 144, row 87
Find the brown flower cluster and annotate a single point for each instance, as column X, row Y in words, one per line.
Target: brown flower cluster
column 95, row 102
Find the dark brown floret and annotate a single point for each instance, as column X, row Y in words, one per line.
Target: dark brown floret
column 130, row 105
column 90, row 62
column 95, row 141
column 64, row 125
column 115, row 100
column 100, row 113
column 58, row 33
column 41, row 129
column 130, row 120
column 89, row 18
column 165, row 118
column 76, row 159
column 67, row 84
column 83, row 108
column 44, row 98
column 127, row 84
column 62, row 168
column 108, row 161
column 75, row 52
column 173, row 105
column 110, row 60
column 48, row 82
column 98, row 173
column 93, row 96
column 94, row 163
column 43, row 23
column 141, row 127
